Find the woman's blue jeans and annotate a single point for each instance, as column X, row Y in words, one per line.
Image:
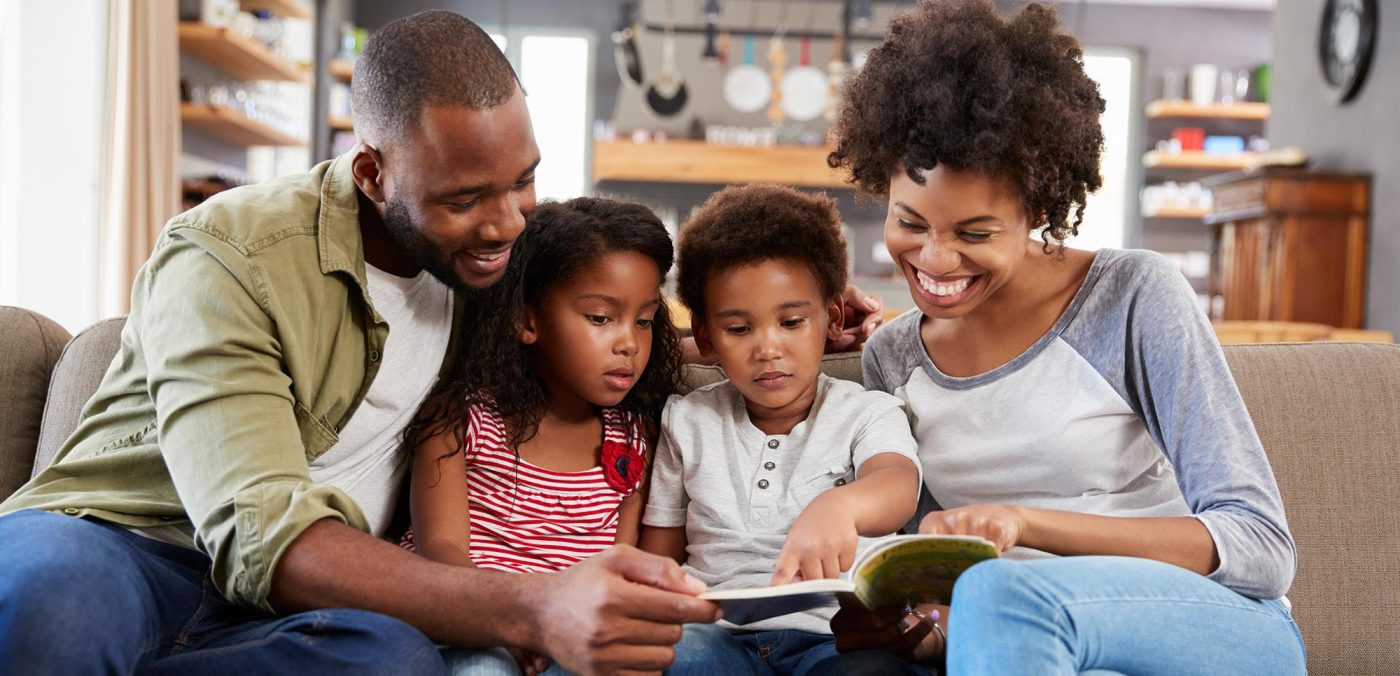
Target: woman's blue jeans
column 1113, row 614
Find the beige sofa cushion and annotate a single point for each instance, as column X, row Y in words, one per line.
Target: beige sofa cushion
column 1329, row 416
column 30, row 344
column 75, row 378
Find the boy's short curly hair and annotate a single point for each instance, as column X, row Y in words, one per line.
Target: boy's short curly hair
column 743, row 225
column 955, row 84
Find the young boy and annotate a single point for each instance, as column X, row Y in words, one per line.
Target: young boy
column 773, row 475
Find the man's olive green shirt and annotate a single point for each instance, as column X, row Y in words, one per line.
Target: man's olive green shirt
column 251, row 341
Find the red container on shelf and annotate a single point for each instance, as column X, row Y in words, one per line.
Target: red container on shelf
column 1191, row 138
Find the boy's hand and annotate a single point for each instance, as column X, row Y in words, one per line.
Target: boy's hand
column 1002, row 524
column 862, row 315
column 530, row 663
column 820, row 544
column 892, row 629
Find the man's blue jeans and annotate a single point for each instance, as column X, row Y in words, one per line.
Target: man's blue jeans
column 80, row 596
column 1106, row 614
column 709, row 650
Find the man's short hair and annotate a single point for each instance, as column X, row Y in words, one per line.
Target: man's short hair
column 433, row 58
column 744, row 225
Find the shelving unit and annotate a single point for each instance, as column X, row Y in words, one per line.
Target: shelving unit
column 341, row 69
column 340, row 123
column 1166, row 109
column 240, row 56
column 700, row 162
column 1176, row 212
column 1195, row 160
column 233, row 126
column 290, row 9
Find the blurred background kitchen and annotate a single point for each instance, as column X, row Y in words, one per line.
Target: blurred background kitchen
column 1250, row 141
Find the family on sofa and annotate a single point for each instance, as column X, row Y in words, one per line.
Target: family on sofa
column 392, row 417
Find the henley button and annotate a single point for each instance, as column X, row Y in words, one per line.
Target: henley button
column 840, row 482
column 769, row 465
column 772, row 443
column 762, row 483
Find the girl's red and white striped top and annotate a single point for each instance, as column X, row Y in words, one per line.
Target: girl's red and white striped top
column 527, row 519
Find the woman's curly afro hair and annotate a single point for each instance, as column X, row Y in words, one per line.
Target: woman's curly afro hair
column 955, row 84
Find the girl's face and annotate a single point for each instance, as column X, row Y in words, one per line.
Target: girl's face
column 957, row 239
column 594, row 332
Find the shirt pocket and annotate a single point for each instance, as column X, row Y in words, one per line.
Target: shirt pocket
column 810, row 484
column 316, row 435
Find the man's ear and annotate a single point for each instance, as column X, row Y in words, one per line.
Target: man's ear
column 529, row 333
column 835, row 317
column 367, row 169
column 702, row 338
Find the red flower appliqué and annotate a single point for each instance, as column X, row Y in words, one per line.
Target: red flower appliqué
column 622, row 466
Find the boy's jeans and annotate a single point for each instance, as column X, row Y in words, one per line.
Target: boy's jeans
column 708, row 650
column 80, row 596
column 1108, row 614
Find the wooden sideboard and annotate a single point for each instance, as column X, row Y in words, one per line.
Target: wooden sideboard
column 1289, row 245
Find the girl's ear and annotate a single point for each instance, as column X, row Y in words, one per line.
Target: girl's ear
column 835, row 317
column 529, row 335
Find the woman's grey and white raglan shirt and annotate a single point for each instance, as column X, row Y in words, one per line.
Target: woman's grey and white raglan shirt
column 1126, row 407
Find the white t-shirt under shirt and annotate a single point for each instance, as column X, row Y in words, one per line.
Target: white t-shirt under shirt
column 366, row 462
column 737, row 491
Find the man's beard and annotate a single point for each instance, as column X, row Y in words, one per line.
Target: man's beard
column 399, row 223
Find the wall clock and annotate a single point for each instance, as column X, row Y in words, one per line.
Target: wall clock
column 1346, row 43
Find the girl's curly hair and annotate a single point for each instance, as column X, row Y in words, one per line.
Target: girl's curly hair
column 955, row 84
column 560, row 241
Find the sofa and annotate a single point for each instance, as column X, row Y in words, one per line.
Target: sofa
column 1328, row 413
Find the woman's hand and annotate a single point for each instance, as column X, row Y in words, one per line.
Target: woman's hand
column 821, row 543
column 893, row 629
column 1004, row 525
column 862, row 315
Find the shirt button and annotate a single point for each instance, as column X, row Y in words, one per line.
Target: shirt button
column 374, row 355
column 762, row 483
column 772, row 443
column 769, row 465
column 840, row 482
column 70, row 510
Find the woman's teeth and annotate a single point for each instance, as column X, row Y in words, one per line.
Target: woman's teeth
column 937, row 288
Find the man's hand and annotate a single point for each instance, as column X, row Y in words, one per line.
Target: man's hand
column 863, row 314
column 621, row 610
column 1002, row 524
column 820, row 544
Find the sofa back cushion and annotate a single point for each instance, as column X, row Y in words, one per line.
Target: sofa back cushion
column 1329, row 417
column 30, row 344
column 75, row 378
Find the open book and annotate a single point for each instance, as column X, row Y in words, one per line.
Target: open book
column 894, row 570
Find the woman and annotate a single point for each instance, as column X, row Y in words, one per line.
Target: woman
column 1065, row 401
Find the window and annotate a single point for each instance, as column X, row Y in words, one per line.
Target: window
column 1112, row 209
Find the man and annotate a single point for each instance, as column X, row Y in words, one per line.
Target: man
column 232, row 472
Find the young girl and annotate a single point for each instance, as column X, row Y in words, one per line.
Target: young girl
column 534, row 458
column 1066, row 401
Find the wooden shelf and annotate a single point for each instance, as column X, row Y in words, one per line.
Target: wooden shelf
column 700, row 162
column 1195, row 160
column 285, row 8
column 341, row 69
column 243, row 58
column 1163, row 109
column 1177, row 212
column 340, row 123
column 233, row 126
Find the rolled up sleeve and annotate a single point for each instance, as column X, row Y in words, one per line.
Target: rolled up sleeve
column 225, row 413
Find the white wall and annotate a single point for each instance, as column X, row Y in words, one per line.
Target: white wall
column 52, row 98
